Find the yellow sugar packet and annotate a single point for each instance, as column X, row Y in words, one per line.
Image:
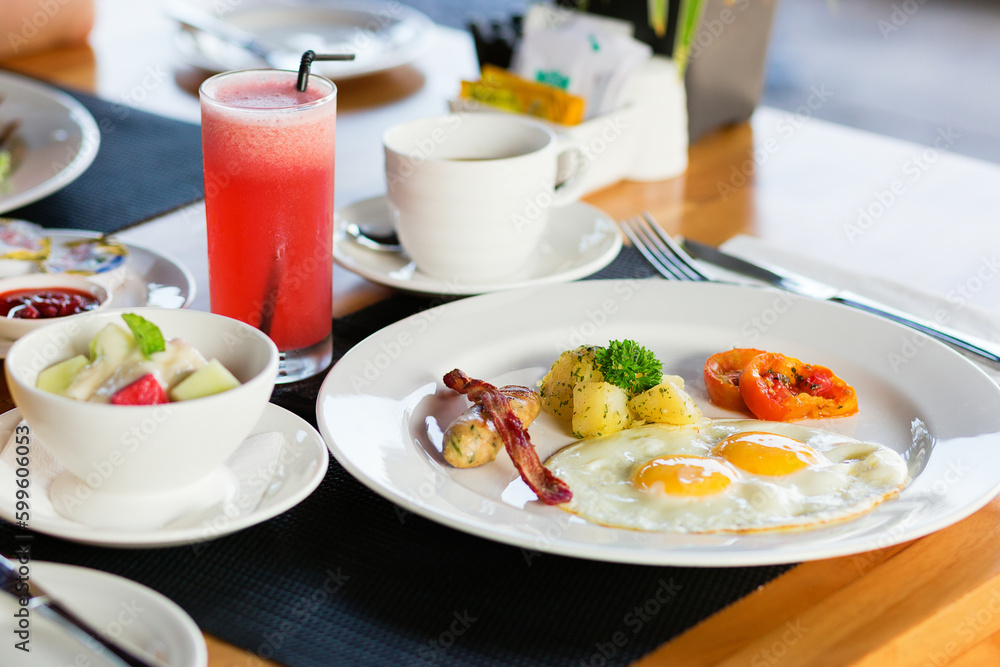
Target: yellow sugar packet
column 503, row 90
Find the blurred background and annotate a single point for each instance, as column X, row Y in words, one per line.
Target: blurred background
column 902, row 68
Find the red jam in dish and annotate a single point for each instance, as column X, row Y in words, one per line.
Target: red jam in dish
column 31, row 304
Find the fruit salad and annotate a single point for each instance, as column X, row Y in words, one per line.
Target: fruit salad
column 136, row 366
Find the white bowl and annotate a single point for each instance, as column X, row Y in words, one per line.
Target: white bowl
column 123, row 453
column 15, row 327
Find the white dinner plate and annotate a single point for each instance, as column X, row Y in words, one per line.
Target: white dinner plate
column 151, row 278
column 578, row 240
column 56, row 141
column 383, row 407
column 130, row 613
column 382, row 35
column 303, row 463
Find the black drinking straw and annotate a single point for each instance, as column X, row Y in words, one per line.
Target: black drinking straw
column 307, row 60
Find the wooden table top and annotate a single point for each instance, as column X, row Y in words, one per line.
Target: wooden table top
column 798, row 183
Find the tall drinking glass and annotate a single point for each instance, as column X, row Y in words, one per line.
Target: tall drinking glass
column 269, row 171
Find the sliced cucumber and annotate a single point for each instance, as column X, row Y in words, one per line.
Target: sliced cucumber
column 208, row 380
column 113, row 343
column 58, row 377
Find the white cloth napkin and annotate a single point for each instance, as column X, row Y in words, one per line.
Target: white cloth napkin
column 253, row 464
column 954, row 312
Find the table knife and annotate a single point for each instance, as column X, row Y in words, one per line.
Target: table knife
column 24, row 587
column 792, row 282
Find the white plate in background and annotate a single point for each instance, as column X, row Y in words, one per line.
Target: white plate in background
column 56, row 141
column 381, row 35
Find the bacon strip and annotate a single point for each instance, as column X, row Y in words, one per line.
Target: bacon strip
column 550, row 489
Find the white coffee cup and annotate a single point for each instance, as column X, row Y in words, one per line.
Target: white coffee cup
column 470, row 194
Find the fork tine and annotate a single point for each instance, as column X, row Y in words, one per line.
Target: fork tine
column 654, row 239
column 640, row 238
column 641, row 247
column 679, row 258
column 657, row 248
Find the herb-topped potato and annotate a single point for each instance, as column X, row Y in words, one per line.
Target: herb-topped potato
column 666, row 403
column 599, row 408
column 602, row 390
column 572, row 367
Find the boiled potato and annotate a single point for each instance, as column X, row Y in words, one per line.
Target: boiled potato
column 599, row 408
column 572, row 366
column 666, row 403
column 585, row 365
column 556, row 389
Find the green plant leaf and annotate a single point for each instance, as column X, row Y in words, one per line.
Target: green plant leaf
column 687, row 28
column 658, row 16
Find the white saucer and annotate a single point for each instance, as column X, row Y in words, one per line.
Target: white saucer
column 136, row 616
column 579, row 240
column 301, row 468
column 150, row 279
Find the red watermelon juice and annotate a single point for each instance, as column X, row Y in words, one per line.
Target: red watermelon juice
column 269, row 175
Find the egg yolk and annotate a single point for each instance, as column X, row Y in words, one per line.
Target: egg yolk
column 684, row 476
column 766, row 453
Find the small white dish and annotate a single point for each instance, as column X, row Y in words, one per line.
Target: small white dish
column 384, row 425
column 15, row 327
column 381, row 35
column 579, row 240
column 303, row 463
column 132, row 614
column 149, row 278
column 56, row 141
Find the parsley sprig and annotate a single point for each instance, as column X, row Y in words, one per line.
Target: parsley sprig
column 629, row 365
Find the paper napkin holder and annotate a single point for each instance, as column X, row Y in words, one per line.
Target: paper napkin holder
column 646, row 139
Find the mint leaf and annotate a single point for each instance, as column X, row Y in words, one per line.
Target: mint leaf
column 629, row 365
column 147, row 334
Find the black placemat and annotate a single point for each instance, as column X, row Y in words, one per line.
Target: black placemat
column 146, row 165
column 347, row 578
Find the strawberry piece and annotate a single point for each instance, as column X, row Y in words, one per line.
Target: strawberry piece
column 147, row 390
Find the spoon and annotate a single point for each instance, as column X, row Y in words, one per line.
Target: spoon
column 379, row 242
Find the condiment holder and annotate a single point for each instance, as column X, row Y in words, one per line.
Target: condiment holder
column 646, row 139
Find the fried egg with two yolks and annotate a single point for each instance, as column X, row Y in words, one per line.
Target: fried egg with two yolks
column 726, row 475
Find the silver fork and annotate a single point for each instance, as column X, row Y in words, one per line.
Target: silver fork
column 661, row 251
column 674, row 263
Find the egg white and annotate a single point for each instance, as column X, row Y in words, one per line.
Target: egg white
column 851, row 477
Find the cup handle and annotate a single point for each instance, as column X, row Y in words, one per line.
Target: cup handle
column 571, row 166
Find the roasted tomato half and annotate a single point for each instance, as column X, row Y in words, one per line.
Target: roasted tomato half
column 780, row 388
column 722, row 377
